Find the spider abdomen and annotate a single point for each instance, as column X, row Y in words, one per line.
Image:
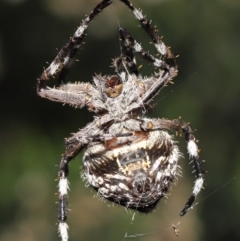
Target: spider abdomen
column 136, row 175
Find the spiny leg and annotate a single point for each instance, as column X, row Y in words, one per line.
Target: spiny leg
column 74, row 145
column 166, row 64
column 133, row 44
column 151, row 31
column 127, row 54
column 167, row 61
column 193, row 153
column 63, row 187
column 180, row 126
column 65, row 57
column 77, row 95
column 162, row 77
column 129, row 44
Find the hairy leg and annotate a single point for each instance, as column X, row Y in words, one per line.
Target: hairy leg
column 182, row 127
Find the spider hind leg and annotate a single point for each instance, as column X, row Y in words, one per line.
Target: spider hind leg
column 182, row 127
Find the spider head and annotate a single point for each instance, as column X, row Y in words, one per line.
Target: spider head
column 113, row 86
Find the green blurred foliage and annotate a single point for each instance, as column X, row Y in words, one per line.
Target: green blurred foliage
column 206, row 36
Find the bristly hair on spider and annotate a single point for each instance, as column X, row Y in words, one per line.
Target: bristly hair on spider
column 129, row 159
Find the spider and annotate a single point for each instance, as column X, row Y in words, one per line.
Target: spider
column 129, row 159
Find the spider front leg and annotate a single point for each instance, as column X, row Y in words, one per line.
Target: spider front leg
column 155, row 83
column 65, row 57
column 166, row 63
column 127, row 59
column 129, row 45
column 77, row 95
column 151, row 31
column 180, row 126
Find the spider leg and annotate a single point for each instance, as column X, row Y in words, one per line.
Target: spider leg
column 133, row 44
column 65, row 57
column 74, row 145
column 180, row 126
column 151, row 31
column 155, row 84
column 166, row 63
column 63, row 187
column 126, row 57
column 129, row 44
column 77, row 95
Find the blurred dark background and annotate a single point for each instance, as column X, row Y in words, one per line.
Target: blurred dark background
column 206, row 93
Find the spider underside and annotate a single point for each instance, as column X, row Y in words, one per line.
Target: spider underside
column 129, row 159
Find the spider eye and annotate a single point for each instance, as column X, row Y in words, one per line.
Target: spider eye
column 113, row 86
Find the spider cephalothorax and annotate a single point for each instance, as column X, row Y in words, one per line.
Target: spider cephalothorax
column 129, row 159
